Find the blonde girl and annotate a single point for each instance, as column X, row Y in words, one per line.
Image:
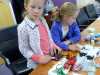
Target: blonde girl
column 65, row 31
column 34, row 37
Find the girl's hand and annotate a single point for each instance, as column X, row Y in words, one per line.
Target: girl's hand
column 67, row 42
column 44, row 59
column 55, row 51
column 56, row 54
column 74, row 47
column 85, row 38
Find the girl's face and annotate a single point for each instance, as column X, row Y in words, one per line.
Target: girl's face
column 68, row 20
column 35, row 8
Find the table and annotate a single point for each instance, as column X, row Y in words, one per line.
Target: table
column 95, row 24
column 43, row 69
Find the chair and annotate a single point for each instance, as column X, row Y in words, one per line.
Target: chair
column 4, row 70
column 91, row 12
column 83, row 20
column 9, row 49
column 7, row 18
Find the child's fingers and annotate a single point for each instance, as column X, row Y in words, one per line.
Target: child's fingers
column 51, row 53
column 59, row 52
column 55, row 51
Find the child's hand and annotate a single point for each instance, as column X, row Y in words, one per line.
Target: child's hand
column 67, row 42
column 44, row 59
column 56, row 54
column 55, row 51
column 74, row 47
column 85, row 38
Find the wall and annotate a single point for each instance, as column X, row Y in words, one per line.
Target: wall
column 60, row 2
column 82, row 3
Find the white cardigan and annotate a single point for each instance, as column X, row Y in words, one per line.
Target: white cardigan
column 29, row 40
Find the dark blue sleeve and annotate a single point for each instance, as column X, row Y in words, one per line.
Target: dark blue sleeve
column 55, row 32
column 76, row 34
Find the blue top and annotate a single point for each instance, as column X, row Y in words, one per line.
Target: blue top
column 73, row 34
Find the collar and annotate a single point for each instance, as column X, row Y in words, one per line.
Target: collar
column 29, row 22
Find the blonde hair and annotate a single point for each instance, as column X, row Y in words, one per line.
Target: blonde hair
column 25, row 4
column 68, row 9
